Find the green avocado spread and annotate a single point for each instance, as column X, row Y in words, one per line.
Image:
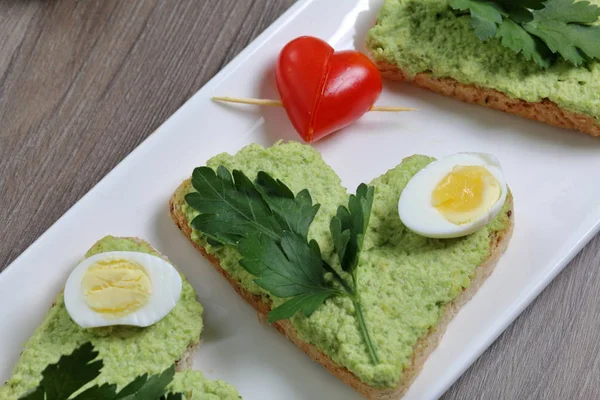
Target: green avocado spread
column 427, row 36
column 404, row 279
column 127, row 352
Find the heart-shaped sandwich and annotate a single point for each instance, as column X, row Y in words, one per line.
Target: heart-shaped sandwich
column 347, row 281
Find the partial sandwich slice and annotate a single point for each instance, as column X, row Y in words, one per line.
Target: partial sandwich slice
column 413, row 285
column 428, row 44
column 127, row 352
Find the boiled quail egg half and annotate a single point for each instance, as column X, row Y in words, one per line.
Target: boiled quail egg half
column 121, row 288
column 454, row 196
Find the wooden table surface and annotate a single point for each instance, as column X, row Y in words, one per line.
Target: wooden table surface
column 83, row 82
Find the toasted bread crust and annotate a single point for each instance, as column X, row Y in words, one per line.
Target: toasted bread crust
column 544, row 111
column 422, row 348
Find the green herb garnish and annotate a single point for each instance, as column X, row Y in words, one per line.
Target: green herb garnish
column 269, row 227
column 66, row 377
column 348, row 230
column 538, row 29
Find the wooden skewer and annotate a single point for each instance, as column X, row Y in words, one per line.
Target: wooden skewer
column 277, row 103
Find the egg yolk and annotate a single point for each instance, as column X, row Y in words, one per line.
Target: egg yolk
column 115, row 288
column 465, row 194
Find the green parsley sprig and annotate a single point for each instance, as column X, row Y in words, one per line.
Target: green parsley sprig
column 269, row 226
column 72, row 372
column 348, row 229
column 538, row 29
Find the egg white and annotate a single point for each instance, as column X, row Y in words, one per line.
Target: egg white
column 420, row 216
column 166, row 290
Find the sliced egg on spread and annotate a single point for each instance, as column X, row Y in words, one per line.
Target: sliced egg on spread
column 121, row 288
column 454, row 196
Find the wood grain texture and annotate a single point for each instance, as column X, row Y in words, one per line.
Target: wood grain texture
column 82, row 83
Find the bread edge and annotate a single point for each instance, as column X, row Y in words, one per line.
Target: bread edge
column 423, row 347
column 545, row 111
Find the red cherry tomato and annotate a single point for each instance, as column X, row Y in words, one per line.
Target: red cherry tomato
column 323, row 90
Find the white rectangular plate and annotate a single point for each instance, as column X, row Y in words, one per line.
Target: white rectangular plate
column 553, row 175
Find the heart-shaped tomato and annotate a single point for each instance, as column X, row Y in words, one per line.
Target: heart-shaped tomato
column 323, row 90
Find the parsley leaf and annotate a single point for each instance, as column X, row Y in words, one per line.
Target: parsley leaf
column 540, row 30
column 515, row 37
column 144, row 387
column 485, row 16
column 520, row 10
column 349, row 226
column 562, row 25
column 233, row 208
column 96, row 392
column 348, row 229
column 67, row 376
column 305, row 303
column 269, row 227
column 36, row 394
column 293, row 213
column 175, row 396
column 533, row 4
column 285, row 269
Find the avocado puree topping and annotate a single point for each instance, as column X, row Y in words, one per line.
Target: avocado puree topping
column 126, row 351
column 426, row 36
column 404, row 279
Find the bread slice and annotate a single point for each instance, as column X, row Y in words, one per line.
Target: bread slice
column 422, row 349
column 544, row 111
column 431, row 46
column 58, row 335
